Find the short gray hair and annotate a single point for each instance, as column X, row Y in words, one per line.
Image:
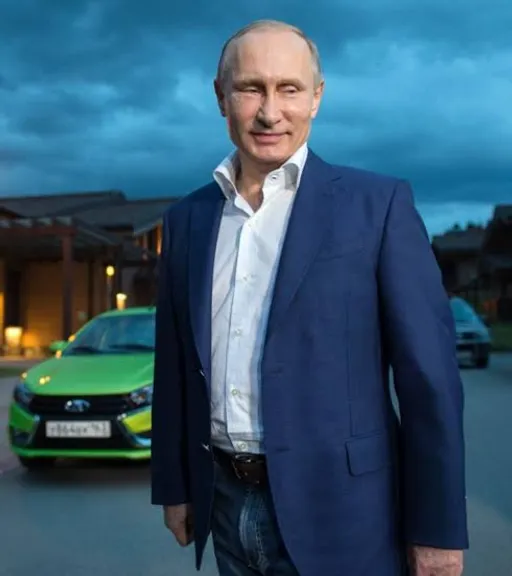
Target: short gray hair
column 225, row 64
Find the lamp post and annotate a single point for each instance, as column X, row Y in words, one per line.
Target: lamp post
column 110, row 273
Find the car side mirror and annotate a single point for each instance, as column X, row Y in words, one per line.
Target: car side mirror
column 58, row 345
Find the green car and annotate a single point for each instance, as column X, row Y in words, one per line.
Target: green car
column 93, row 398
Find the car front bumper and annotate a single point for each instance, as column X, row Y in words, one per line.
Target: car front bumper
column 130, row 436
column 472, row 350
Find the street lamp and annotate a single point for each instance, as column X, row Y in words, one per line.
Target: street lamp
column 110, row 272
column 121, row 300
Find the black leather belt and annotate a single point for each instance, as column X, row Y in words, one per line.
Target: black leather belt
column 248, row 468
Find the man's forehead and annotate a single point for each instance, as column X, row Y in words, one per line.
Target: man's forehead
column 272, row 57
column 256, row 40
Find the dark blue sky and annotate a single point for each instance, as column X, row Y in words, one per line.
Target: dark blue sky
column 118, row 94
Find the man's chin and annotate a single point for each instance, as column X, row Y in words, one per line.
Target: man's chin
column 270, row 155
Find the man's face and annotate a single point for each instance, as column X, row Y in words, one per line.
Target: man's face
column 269, row 99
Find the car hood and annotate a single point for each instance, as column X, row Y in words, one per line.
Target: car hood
column 469, row 327
column 477, row 327
column 465, row 326
column 109, row 374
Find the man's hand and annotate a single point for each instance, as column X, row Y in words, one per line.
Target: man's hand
column 179, row 521
column 426, row 561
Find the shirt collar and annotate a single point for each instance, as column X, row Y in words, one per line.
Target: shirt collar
column 225, row 173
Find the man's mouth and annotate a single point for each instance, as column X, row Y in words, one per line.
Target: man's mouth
column 267, row 137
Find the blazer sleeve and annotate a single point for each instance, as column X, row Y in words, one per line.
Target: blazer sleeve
column 169, row 483
column 419, row 334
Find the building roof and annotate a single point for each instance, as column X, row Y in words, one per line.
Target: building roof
column 498, row 236
column 108, row 209
column 59, row 204
column 47, row 225
column 503, row 212
column 499, row 261
column 468, row 240
column 128, row 214
column 42, row 237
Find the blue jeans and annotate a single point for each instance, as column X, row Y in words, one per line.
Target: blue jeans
column 246, row 538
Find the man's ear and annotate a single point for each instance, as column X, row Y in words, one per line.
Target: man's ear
column 221, row 98
column 317, row 98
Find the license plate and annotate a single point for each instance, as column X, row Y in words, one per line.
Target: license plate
column 66, row 429
column 464, row 355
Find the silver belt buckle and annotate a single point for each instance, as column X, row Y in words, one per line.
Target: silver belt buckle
column 245, row 459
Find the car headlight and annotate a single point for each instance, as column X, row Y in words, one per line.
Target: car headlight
column 142, row 396
column 22, row 395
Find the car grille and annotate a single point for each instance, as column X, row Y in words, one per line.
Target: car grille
column 111, row 405
column 468, row 335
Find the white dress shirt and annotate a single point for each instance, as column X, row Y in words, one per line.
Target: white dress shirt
column 246, row 261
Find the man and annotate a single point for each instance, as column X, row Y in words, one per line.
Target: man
column 288, row 288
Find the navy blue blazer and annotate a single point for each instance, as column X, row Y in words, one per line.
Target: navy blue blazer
column 358, row 291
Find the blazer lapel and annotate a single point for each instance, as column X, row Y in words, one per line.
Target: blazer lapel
column 313, row 206
column 205, row 220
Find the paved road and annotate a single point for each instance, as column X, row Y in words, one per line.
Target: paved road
column 96, row 519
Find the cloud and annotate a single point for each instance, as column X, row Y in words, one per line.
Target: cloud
column 118, row 94
column 445, row 124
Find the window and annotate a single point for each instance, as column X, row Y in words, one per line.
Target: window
column 117, row 334
column 462, row 311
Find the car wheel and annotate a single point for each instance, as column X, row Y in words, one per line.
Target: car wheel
column 36, row 463
column 482, row 361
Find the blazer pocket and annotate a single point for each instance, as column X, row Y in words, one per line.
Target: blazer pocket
column 336, row 250
column 368, row 454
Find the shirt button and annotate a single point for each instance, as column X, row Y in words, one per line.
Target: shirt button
column 234, row 392
column 238, row 332
column 242, row 446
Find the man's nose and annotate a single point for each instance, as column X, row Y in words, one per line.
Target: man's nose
column 269, row 113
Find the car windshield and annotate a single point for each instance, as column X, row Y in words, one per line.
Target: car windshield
column 126, row 333
column 462, row 311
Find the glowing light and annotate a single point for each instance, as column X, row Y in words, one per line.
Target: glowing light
column 121, row 300
column 13, row 336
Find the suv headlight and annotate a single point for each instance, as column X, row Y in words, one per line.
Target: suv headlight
column 22, row 395
column 142, row 396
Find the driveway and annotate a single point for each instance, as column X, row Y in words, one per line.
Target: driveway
column 7, row 461
column 97, row 519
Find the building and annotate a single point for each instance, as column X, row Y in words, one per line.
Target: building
column 67, row 257
column 495, row 269
column 458, row 255
column 476, row 263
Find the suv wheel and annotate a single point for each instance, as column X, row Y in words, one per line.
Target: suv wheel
column 482, row 361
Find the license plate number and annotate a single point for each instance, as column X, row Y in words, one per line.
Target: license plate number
column 66, row 429
column 463, row 355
